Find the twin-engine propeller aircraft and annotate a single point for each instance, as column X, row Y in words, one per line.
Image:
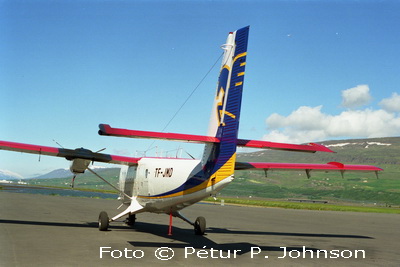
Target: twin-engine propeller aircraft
column 167, row 185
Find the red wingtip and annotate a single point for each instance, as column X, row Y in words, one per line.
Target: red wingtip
column 322, row 148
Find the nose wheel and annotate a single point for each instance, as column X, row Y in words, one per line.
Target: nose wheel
column 103, row 221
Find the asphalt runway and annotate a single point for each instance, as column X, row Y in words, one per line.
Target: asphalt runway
column 39, row 230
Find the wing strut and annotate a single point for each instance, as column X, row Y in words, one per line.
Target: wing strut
column 104, row 180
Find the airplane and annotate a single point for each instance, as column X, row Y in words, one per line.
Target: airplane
column 167, row 185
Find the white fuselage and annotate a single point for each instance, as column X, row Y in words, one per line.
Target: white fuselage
column 163, row 185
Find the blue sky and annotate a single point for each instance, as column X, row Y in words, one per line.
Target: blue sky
column 316, row 70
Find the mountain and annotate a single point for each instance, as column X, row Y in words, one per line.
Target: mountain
column 8, row 175
column 86, row 180
column 58, row 173
column 63, row 173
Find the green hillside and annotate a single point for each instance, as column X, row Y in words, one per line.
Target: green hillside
column 83, row 181
column 356, row 186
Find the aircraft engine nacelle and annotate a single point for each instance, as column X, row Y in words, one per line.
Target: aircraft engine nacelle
column 79, row 165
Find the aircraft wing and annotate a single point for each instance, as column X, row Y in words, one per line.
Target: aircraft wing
column 330, row 166
column 311, row 147
column 107, row 130
column 69, row 154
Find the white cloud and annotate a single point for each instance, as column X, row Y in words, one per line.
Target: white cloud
column 356, row 97
column 302, row 118
column 310, row 124
column 391, row 104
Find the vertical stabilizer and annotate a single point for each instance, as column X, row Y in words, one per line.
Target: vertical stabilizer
column 230, row 79
column 225, row 115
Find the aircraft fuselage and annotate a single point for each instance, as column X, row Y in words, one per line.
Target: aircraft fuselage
column 160, row 183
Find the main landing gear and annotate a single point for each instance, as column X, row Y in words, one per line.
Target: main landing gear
column 103, row 221
column 130, row 221
column 199, row 225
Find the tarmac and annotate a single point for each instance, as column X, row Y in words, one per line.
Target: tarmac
column 40, row 230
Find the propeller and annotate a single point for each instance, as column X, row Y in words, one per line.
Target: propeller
column 80, row 165
column 73, row 181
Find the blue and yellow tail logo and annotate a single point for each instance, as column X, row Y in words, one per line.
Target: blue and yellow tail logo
column 229, row 99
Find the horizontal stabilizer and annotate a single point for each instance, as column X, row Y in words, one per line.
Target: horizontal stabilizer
column 106, row 129
column 331, row 166
column 69, row 154
column 311, row 147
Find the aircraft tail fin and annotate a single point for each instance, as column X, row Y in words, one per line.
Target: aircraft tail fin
column 225, row 115
column 227, row 103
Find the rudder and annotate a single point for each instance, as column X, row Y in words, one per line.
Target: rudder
column 224, row 122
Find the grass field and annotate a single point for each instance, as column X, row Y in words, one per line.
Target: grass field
column 354, row 187
column 307, row 206
column 288, row 204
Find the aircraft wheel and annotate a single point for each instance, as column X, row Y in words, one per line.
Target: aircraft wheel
column 200, row 226
column 103, row 221
column 131, row 220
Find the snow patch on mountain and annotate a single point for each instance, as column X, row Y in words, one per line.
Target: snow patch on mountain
column 5, row 174
column 366, row 144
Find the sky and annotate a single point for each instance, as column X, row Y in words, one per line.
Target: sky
column 316, row 70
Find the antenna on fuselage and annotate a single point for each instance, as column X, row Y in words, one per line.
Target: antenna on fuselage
column 58, row 144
